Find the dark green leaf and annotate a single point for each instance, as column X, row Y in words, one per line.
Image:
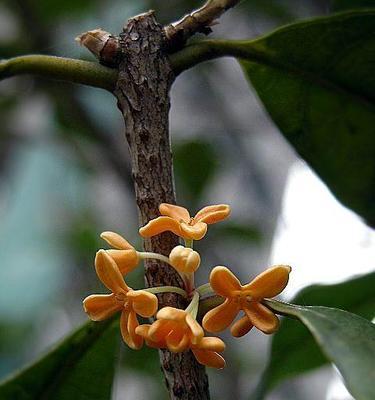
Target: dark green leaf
column 195, row 163
column 345, row 338
column 67, row 371
column 293, row 349
column 341, row 5
column 316, row 80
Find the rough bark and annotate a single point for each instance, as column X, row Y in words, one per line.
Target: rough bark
column 142, row 90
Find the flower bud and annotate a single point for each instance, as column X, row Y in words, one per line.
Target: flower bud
column 184, row 259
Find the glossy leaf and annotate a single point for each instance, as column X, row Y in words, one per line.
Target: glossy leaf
column 316, row 80
column 345, row 338
column 67, row 371
column 294, row 350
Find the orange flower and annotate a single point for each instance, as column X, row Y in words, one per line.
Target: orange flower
column 130, row 302
column 247, row 298
column 178, row 331
column 124, row 255
column 184, row 259
column 177, row 220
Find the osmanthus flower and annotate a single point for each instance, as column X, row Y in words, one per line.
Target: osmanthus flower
column 177, row 220
column 123, row 298
column 124, row 254
column 184, row 259
column 247, row 298
column 177, row 330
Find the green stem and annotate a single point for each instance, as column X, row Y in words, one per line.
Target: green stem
column 189, row 243
column 188, row 282
column 147, row 254
column 94, row 74
column 205, row 289
column 208, row 304
column 192, row 308
column 206, row 50
column 166, row 289
column 60, row 68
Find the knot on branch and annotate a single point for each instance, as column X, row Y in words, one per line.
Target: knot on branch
column 103, row 45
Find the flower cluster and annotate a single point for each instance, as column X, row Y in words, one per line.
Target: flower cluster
column 175, row 329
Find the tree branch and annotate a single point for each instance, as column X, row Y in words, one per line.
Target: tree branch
column 65, row 69
column 142, row 90
column 206, row 50
column 96, row 75
column 199, row 20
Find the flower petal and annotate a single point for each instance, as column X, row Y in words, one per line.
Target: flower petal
column 143, row 302
column 177, row 341
column 269, row 283
column 241, row 327
column 128, row 325
column 176, row 212
column 132, row 326
column 126, row 260
column 261, row 317
column 109, row 273
column 116, row 241
column 159, row 225
column 195, row 232
column 160, row 329
column 211, row 343
column 171, row 313
column 209, row 358
column 124, row 327
column 195, row 329
column 100, row 306
column 220, row 317
column 224, row 282
column 142, row 330
column 212, row 214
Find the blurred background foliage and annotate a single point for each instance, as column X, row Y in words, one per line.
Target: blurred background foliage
column 65, row 177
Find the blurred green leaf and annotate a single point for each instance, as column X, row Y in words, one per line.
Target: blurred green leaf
column 293, row 349
column 145, row 361
column 282, row 12
column 341, row 5
column 67, row 371
column 236, row 231
column 52, row 9
column 345, row 338
column 83, row 238
column 316, row 80
column 195, row 164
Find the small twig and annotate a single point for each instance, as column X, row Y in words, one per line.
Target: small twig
column 198, row 21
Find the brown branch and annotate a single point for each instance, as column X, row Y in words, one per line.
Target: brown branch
column 144, row 80
column 198, row 21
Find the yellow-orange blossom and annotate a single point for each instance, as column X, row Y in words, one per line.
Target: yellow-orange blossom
column 178, row 331
column 177, row 220
column 123, row 253
column 130, row 302
column 247, row 298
